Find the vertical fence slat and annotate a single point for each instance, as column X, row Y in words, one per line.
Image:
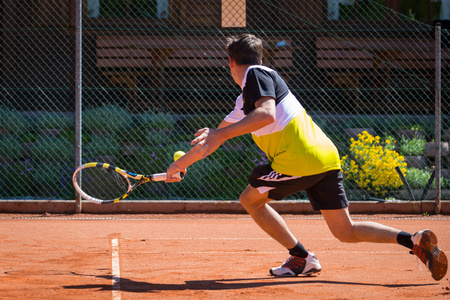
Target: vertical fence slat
column 78, row 92
column 438, row 117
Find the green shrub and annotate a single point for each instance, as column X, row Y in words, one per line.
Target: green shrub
column 244, row 142
column 423, row 126
column 192, row 123
column 29, row 137
column 104, row 145
column 360, row 122
column 109, row 118
column 445, row 122
column 10, row 147
column 388, row 126
column 235, row 168
column 52, row 149
column 445, row 183
column 156, row 121
column 52, row 181
column 207, row 120
column 52, row 120
column 186, row 128
column 414, row 127
column 152, row 160
column 16, row 180
column 14, row 121
column 412, row 147
column 153, row 129
column 153, row 138
column 426, row 125
column 417, row 178
column 204, row 180
column 321, row 121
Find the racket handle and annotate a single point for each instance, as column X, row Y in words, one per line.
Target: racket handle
column 162, row 176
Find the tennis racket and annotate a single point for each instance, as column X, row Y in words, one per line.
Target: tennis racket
column 103, row 183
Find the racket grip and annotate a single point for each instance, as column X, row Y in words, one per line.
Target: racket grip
column 178, row 175
column 162, row 176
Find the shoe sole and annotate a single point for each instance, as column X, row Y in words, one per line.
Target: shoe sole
column 438, row 262
column 309, row 273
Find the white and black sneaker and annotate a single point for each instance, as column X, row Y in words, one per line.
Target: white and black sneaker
column 294, row 266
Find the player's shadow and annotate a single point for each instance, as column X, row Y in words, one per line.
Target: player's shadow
column 128, row 285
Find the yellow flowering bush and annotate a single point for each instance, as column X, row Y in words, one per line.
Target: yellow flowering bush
column 371, row 164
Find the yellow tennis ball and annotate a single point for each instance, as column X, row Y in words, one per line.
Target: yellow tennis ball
column 177, row 155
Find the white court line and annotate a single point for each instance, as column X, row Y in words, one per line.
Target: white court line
column 209, row 238
column 300, row 217
column 116, row 294
column 253, row 252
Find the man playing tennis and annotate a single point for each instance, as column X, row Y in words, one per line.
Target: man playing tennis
column 302, row 158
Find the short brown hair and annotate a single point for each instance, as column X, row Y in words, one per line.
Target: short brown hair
column 245, row 49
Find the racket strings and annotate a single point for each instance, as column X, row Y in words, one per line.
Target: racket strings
column 119, row 179
column 104, row 184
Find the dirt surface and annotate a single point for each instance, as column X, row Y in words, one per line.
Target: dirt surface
column 203, row 256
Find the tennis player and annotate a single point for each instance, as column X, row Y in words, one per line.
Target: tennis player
column 301, row 158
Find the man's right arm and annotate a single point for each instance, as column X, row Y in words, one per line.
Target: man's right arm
column 224, row 124
column 207, row 140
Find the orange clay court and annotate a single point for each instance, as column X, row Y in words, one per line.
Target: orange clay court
column 203, row 256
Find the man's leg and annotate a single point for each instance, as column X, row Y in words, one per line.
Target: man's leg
column 266, row 217
column 345, row 230
column 422, row 243
column 301, row 261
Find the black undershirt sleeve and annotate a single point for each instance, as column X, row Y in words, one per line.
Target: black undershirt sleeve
column 259, row 84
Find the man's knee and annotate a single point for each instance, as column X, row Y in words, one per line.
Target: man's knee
column 251, row 199
column 346, row 235
column 341, row 225
column 246, row 201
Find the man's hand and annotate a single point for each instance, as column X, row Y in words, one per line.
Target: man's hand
column 207, row 141
column 174, row 168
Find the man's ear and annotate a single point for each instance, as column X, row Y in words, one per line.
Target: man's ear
column 231, row 61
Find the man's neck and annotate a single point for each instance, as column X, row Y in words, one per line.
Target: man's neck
column 240, row 72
